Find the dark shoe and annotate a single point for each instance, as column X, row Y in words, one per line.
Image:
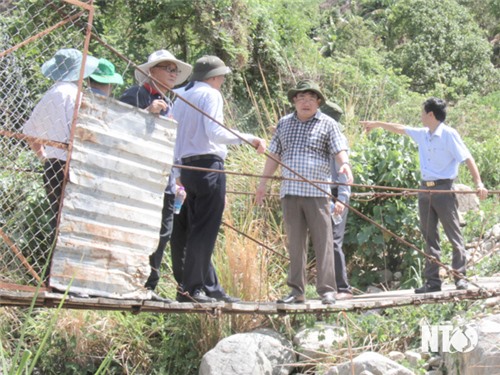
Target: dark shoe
column 427, row 289
column 157, row 298
column 227, row 298
column 292, row 299
column 197, row 296
column 78, row 295
column 462, row 284
column 328, row 298
column 343, row 296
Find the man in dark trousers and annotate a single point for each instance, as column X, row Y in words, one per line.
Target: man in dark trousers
column 201, row 142
column 164, row 72
column 441, row 151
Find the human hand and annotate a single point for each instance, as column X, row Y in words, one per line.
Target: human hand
column 482, row 192
column 157, row 106
column 369, row 125
column 260, row 194
column 260, row 145
column 346, row 169
column 338, row 208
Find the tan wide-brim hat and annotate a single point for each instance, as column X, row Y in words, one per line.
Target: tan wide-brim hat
column 157, row 57
column 303, row 86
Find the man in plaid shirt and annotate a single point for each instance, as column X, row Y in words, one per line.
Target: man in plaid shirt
column 305, row 140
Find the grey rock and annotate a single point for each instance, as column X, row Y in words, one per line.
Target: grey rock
column 369, row 361
column 482, row 359
column 413, row 358
column 396, row 356
column 254, row 353
column 319, row 341
column 466, row 202
column 435, row 361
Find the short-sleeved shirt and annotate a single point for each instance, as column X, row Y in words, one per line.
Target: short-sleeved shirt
column 52, row 117
column 307, row 148
column 440, row 153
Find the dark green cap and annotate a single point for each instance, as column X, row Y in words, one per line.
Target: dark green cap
column 306, row 85
column 208, row 67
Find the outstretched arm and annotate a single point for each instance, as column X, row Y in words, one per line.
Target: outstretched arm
column 389, row 126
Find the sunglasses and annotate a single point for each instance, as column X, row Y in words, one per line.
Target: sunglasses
column 168, row 69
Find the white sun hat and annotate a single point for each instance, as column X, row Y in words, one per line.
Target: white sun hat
column 161, row 56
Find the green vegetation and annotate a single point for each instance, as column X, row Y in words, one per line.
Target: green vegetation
column 378, row 59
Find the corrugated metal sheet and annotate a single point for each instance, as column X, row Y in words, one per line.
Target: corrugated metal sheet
column 112, row 206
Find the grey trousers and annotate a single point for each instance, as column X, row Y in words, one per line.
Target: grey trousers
column 442, row 208
column 339, row 257
column 299, row 215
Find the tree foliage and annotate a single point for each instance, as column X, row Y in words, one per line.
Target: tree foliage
column 439, row 46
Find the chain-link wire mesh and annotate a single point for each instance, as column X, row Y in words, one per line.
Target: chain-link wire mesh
column 32, row 32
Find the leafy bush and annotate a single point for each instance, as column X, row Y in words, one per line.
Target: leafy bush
column 383, row 160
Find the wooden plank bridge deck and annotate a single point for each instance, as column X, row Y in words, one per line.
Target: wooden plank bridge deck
column 490, row 287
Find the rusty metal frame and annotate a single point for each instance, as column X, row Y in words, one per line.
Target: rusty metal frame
column 9, row 134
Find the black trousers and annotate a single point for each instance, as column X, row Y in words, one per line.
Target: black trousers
column 178, row 250
column 206, row 193
column 53, row 178
column 435, row 208
column 167, row 218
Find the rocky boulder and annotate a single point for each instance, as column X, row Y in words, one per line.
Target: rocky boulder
column 369, row 363
column 255, row 353
column 319, row 341
column 484, row 358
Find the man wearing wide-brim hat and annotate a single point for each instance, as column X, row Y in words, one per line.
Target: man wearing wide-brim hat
column 53, row 115
column 305, row 141
column 201, row 142
column 161, row 73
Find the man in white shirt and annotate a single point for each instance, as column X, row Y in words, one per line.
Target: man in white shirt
column 441, row 150
column 201, row 142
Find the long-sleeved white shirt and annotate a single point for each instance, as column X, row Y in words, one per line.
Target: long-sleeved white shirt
column 51, row 119
column 197, row 134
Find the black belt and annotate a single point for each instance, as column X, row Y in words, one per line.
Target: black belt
column 190, row 159
column 437, row 182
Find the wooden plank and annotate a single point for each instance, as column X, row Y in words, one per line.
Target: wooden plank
column 490, row 288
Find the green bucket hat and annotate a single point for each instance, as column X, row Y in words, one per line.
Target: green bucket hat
column 105, row 73
column 208, row 67
column 306, row 85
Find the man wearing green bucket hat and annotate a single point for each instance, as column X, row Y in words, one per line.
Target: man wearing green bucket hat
column 101, row 81
column 305, row 140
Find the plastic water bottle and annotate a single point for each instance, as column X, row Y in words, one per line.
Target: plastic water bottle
column 180, row 195
column 337, row 219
